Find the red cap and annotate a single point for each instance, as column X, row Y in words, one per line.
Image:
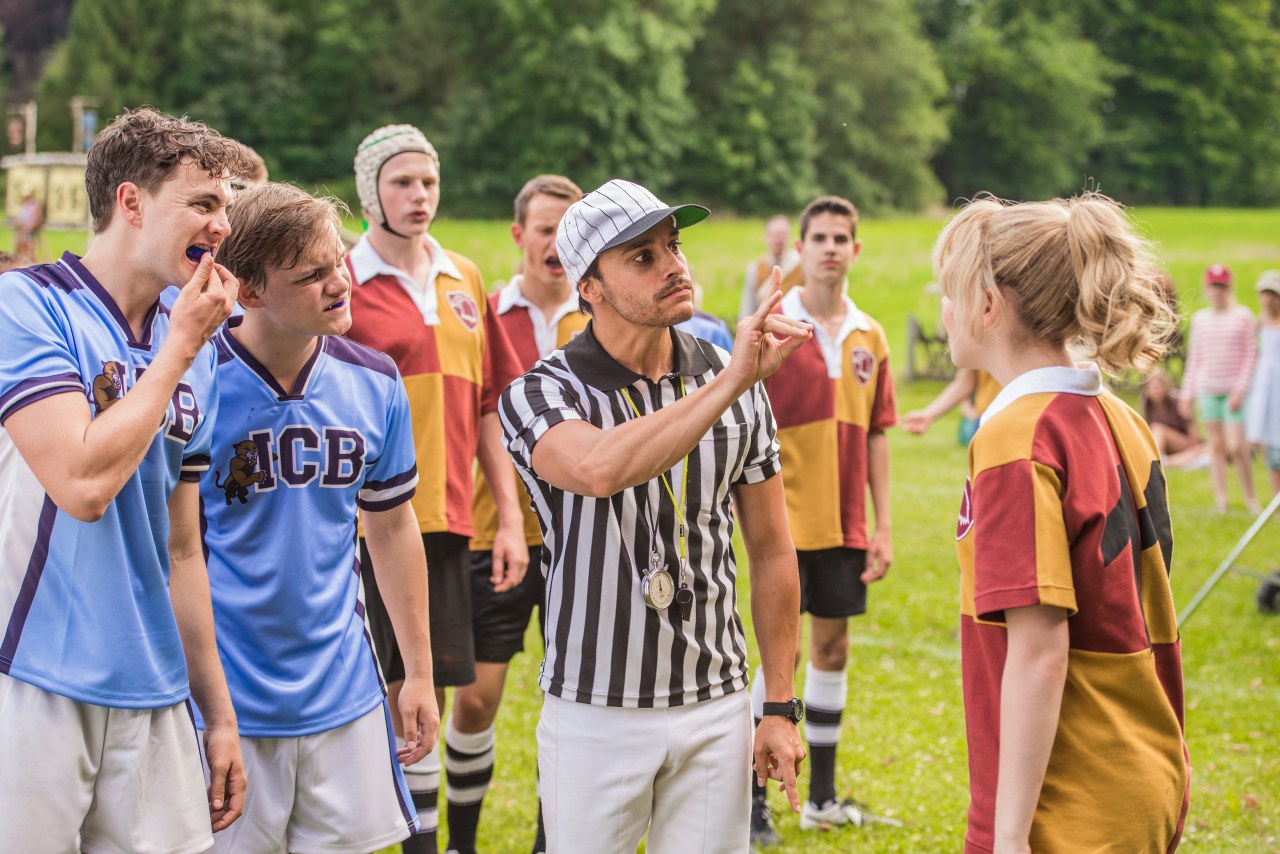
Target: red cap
column 1218, row 274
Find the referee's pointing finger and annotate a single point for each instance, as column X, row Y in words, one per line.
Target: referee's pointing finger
column 788, row 771
column 773, row 298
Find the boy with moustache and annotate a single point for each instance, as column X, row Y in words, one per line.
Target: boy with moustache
column 538, row 309
column 637, row 443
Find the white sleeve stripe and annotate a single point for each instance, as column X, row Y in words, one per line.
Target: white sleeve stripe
column 389, row 493
column 13, row 404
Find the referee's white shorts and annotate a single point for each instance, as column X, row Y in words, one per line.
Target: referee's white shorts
column 608, row 774
column 79, row 777
column 339, row 792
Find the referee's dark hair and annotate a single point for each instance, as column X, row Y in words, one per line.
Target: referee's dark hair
column 593, row 272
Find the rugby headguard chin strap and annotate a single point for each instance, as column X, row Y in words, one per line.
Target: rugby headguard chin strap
column 376, row 149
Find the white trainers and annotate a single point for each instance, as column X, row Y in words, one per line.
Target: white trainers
column 834, row 813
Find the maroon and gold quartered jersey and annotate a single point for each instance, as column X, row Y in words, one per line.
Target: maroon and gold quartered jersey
column 513, row 312
column 792, row 274
column 824, row 414
column 454, row 366
column 1066, row 506
column 985, row 392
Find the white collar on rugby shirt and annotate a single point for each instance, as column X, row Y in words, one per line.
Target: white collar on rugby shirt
column 367, row 263
column 793, row 307
column 544, row 329
column 1084, row 378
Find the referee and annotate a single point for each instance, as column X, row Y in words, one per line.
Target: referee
column 632, row 439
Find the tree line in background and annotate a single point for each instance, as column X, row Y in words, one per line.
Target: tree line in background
column 897, row 104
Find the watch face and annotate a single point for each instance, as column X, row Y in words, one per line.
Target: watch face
column 659, row 588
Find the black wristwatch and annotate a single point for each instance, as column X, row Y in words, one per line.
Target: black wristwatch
column 792, row 710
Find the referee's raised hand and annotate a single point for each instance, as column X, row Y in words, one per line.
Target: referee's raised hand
column 765, row 339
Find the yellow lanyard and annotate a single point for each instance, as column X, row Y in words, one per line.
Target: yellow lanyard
column 684, row 486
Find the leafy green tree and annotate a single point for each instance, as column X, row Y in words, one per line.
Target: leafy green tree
column 123, row 52
column 753, row 146
column 235, row 75
column 796, row 98
column 881, row 88
column 592, row 89
column 1194, row 118
column 1028, row 95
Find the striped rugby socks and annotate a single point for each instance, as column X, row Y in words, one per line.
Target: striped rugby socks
column 824, row 699
column 468, row 766
column 423, row 778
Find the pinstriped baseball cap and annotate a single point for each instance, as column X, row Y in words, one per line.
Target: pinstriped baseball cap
column 609, row 216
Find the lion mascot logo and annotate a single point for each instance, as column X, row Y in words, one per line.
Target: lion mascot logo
column 108, row 386
column 241, row 472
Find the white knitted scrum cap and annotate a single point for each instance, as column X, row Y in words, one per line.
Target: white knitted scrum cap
column 376, row 149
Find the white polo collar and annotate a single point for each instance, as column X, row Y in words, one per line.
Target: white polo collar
column 367, row 263
column 1084, row 379
column 544, row 329
column 854, row 320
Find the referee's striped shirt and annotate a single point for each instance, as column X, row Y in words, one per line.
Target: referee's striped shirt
column 603, row 645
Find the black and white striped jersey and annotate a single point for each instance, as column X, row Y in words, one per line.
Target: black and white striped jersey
column 603, row 645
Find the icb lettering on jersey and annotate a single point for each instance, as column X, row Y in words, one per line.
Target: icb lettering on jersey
column 295, row 457
column 181, row 415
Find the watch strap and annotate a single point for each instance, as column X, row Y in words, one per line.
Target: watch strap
column 792, row 709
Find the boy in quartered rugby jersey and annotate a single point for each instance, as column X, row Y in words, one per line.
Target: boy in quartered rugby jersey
column 425, row 306
column 834, row 400
column 1070, row 654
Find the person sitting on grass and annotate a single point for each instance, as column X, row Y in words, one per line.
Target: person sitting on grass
column 1176, row 435
column 1070, row 656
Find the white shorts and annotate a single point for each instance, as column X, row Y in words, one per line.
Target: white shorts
column 79, row 777
column 607, row 774
column 337, row 791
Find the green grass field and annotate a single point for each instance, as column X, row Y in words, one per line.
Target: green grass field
column 903, row 748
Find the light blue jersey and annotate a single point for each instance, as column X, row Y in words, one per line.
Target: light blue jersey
column 289, row 470
column 84, row 606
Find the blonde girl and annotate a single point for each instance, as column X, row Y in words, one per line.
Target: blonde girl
column 1070, row 658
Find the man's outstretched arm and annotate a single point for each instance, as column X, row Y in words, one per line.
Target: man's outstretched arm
column 581, row 458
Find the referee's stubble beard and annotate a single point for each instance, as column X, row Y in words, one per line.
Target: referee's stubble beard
column 645, row 282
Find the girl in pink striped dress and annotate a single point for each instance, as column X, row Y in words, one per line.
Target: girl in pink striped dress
column 1221, row 352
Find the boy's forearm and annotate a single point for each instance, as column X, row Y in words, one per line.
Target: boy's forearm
column 400, row 565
